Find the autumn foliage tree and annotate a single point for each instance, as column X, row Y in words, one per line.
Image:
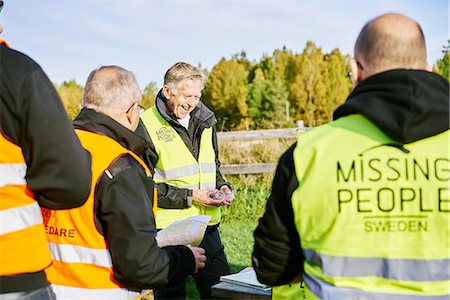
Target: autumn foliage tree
column 226, row 93
column 273, row 92
column 71, row 95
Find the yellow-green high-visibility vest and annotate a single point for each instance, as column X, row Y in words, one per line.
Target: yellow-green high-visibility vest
column 295, row 291
column 373, row 215
column 178, row 167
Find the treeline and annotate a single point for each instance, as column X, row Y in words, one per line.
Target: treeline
column 278, row 89
column 71, row 94
column 271, row 93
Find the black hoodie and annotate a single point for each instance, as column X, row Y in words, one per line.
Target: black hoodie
column 124, row 214
column 408, row 105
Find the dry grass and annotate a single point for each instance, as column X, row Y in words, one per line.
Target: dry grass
column 254, row 151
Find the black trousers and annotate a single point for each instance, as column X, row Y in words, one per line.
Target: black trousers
column 216, row 266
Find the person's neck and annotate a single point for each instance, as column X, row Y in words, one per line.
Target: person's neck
column 185, row 121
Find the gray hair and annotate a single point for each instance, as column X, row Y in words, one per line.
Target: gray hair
column 111, row 90
column 180, row 72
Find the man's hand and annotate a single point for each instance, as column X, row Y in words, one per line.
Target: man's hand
column 229, row 195
column 205, row 198
column 200, row 258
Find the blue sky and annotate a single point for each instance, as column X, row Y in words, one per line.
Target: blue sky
column 70, row 38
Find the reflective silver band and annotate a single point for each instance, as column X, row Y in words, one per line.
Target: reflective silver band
column 326, row 291
column 396, row 269
column 208, row 167
column 19, row 218
column 12, row 174
column 77, row 254
column 176, row 173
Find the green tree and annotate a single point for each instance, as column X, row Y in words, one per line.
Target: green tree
column 307, row 89
column 71, row 95
column 226, row 93
column 149, row 94
column 442, row 65
column 242, row 59
column 274, row 103
column 255, row 97
column 337, row 84
column 269, row 89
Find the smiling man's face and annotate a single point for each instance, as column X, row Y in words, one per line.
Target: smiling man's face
column 185, row 98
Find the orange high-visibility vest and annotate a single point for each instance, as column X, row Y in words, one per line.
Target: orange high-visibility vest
column 23, row 245
column 82, row 266
column 4, row 42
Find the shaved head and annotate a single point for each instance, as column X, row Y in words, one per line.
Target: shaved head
column 391, row 41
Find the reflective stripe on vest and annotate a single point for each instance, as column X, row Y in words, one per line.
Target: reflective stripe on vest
column 19, row 218
column 318, row 289
column 184, row 171
column 396, row 269
column 67, row 292
column 375, row 225
column 82, row 266
column 76, row 254
column 12, row 174
column 21, row 228
column 177, row 166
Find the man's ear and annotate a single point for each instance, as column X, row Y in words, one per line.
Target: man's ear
column 166, row 91
column 355, row 72
column 131, row 112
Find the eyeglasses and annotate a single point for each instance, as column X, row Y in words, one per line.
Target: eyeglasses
column 141, row 108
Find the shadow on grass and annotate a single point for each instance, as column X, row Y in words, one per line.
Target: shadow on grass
column 191, row 289
column 237, row 268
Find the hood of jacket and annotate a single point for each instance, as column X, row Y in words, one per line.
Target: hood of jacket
column 200, row 114
column 408, row 105
column 91, row 120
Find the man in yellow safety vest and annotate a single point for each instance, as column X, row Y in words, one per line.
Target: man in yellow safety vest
column 183, row 155
column 360, row 207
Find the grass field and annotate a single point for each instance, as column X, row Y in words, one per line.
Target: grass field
column 238, row 223
column 251, row 193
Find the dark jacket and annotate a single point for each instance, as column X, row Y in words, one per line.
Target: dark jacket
column 407, row 105
column 201, row 117
column 33, row 117
column 124, row 214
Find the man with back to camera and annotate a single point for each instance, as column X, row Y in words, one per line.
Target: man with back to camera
column 360, row 207
column 106, row 249
column 183, row 154
column 38, row 148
